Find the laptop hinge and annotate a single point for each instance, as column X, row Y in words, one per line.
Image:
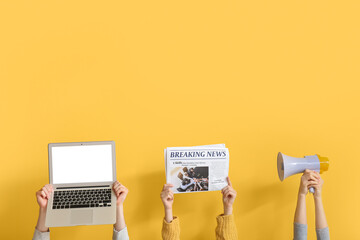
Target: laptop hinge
column 101, row 186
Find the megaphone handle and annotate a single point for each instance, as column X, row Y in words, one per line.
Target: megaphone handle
column 312, row 190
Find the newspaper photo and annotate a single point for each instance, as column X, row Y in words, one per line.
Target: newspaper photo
column 198, row 168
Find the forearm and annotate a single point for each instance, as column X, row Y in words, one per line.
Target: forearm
column 168, row 215
column 320, row 218
column 228, row 210
column 40, row 226
column 120, row 220
column 300, row 212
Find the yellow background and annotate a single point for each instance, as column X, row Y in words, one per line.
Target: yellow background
column 260, row 76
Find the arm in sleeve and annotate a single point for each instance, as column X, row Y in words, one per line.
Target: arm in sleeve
column 120, row 235
column 300, row 231
column 323, row 234
column 226, row 228
column 41, row 235
column 171, row 231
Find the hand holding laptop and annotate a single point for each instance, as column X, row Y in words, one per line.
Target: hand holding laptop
column 44, row 194
column 120, row 192
column 42, row 197
column 82, row 189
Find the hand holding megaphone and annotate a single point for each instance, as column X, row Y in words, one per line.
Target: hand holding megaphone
column 288, row 166
column 309, row 180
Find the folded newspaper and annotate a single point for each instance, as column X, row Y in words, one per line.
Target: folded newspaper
column 198, row 168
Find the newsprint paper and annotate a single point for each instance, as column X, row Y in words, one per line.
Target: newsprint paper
column 195, row 169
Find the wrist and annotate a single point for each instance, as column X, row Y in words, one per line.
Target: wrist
column 302, row 195
column 228, row 210
column 42, row 209
column 168, row 208
column 168, row 215
column 317, row 197
column 42, row 229
column 119, row 207
column 40, row 226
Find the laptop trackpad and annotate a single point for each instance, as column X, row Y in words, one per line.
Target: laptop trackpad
column 82, row 216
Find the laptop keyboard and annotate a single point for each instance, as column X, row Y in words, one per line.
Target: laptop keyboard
column 88, row 198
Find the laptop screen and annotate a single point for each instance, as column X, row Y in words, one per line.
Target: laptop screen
column 82, row 164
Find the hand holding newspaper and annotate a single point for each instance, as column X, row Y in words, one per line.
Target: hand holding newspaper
column 198, row 168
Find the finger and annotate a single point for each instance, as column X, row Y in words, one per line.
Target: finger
column 312, row 178
column 44, row 189
column 123, row 189
column 226, row 192
column 227, row 189
column 231, row 192
column 226, row 195
column 170, row 196
column 38, row 193
column 313, row 175
column 230, row 189
column 229, row 195
column 115, row 188
column 224, row 189
column 120, row 190
column 163, row 194
column 228, row 180
column 43, row 194
column 116, row 183
column 116, row 191
column 167, row 186
column 307, row 171
column 49, row 188
column 317, row 175
column 312, row 182
column 167, row 191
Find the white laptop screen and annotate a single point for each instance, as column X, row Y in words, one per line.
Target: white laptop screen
column 82, row 164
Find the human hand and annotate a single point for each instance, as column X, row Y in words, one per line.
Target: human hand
column 229, row 195
column 308, row 179
column 43, row 195
column 120, row 192
column 167, row 196
column 318, row 186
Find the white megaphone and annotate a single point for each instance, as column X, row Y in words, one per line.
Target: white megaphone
column 288, row 166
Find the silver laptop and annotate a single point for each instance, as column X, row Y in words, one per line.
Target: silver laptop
column 82, row 175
